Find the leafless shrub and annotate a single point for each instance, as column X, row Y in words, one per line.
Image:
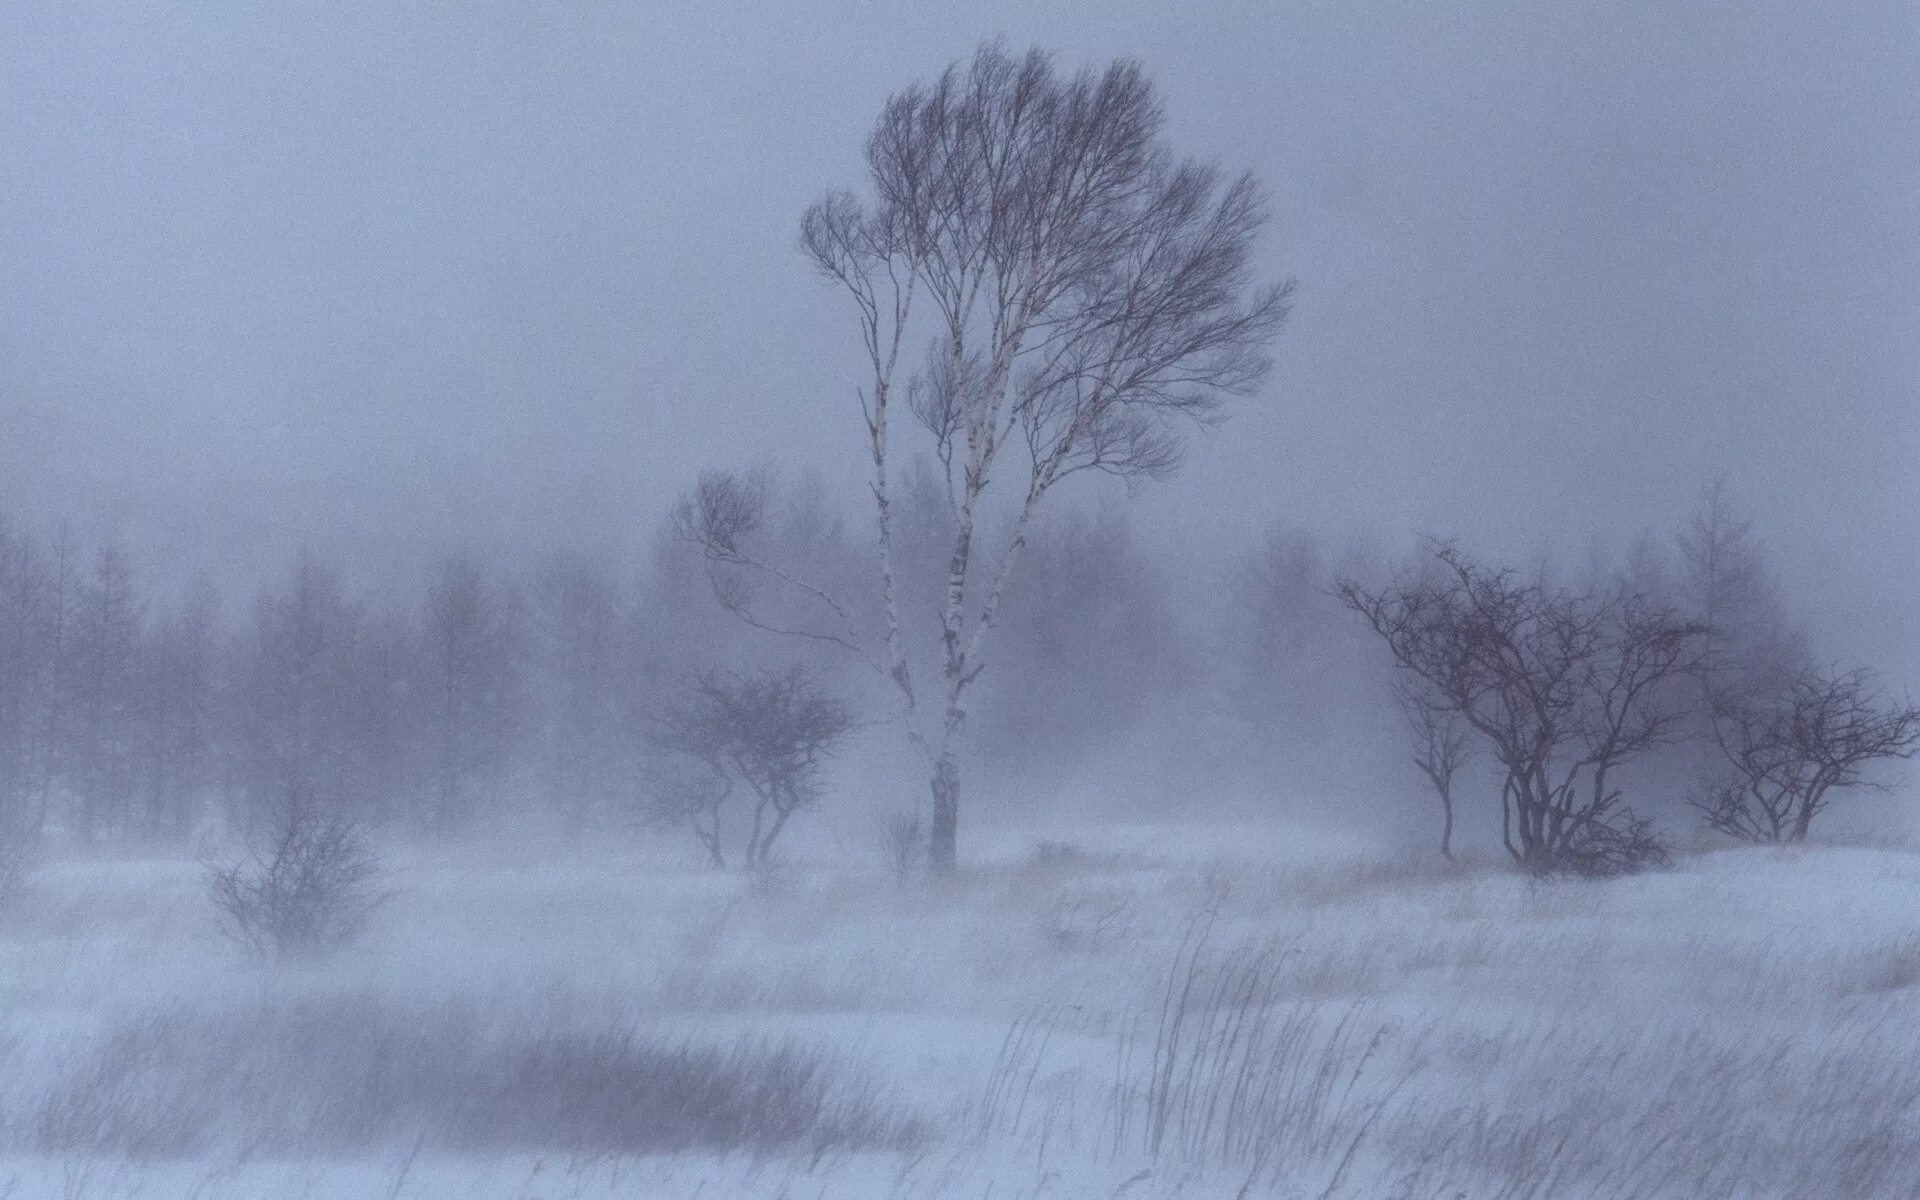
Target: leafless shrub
column 684, row 792
column 1627, row 845
column 1563, row 689
column 1786, row 752
column 306, row 885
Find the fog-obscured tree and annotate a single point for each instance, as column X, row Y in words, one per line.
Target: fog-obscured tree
column 580, row 663
column 1725, row 581
column 1294, row 674
column 1288, row 643
column 1090, row 648
column 470, row 692
column 1087, row 295
column 107, row 635
column 178, row 713
column 59, row 670
column 298, row 701
column 25, row 596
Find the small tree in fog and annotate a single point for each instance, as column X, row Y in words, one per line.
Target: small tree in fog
column 1564, row 689
column 305, row 885
column 1087, row 294
column 1439, row 747
column 1786, row 751
column 765, row 734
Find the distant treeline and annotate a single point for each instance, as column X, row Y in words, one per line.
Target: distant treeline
column 493, row 692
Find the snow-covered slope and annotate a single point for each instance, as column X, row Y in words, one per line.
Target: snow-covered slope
column 1164, row 1013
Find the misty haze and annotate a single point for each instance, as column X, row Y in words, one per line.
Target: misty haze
column 1075, row 601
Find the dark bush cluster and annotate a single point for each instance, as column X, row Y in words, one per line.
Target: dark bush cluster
column 343, row 1075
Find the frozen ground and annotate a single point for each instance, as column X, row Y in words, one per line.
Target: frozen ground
column 1156, row 1012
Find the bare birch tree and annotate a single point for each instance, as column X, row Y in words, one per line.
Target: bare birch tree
column 1087, row 295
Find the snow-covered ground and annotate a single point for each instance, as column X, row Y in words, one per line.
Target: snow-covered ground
column 1145, row 1012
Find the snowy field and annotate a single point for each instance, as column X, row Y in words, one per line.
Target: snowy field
column 1157, row 1013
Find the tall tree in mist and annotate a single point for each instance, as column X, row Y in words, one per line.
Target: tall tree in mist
column 25, row 589
column 1087, row 295
column 578, row 656
column 179, row 717
column 297, row 713
column 1725, row 580
column 59, row 673
column 107, row 630
column 1297, row 677
column 472, row 688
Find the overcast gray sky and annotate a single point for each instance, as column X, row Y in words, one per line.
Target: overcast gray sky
column 405, row 273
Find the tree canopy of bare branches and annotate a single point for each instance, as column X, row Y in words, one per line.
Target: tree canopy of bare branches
column 1563, row 689
column 305, row 886
column 1787, row 750
column 769, row 733
column 1084, row 295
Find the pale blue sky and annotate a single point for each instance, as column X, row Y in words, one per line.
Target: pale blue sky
column 397, row 274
